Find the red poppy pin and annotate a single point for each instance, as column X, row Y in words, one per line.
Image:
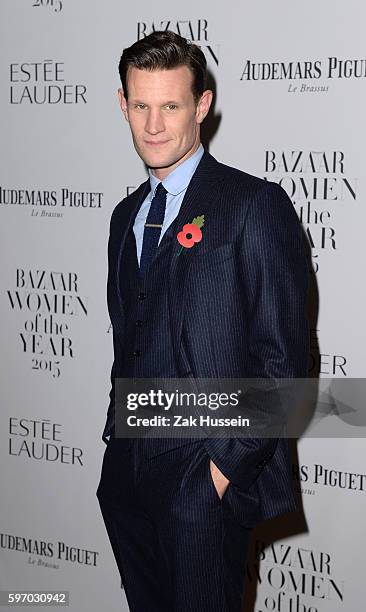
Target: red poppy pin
column 191, row 233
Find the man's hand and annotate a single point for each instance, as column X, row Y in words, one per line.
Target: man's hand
column 220, row 481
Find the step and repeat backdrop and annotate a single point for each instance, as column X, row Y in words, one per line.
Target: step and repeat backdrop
column 290, row 84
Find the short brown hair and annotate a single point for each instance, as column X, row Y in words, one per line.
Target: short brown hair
column 163, row 50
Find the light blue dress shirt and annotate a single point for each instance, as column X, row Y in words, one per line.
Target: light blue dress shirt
column 176, row 184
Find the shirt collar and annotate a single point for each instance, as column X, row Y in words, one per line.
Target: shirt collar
column 178, row 180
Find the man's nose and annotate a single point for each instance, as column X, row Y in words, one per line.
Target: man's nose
column 154, row 123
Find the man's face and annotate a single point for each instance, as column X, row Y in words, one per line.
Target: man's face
column 163, row 116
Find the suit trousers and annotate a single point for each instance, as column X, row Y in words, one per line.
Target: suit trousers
column 179, row 547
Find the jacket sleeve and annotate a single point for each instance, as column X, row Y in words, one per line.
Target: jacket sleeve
column 109, row 425
column 274, row 278
column 116, row 318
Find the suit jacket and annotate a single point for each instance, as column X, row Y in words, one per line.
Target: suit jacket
column 237, row 304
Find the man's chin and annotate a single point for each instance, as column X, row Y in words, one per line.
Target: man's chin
column 155, row 163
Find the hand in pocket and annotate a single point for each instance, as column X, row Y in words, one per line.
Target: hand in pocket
column 220, row 481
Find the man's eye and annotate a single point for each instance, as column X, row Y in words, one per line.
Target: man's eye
column 140, row 106
column 171, row 106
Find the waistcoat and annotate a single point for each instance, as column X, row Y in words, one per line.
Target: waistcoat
column 148, row 350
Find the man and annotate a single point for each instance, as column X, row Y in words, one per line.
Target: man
column 227, row 301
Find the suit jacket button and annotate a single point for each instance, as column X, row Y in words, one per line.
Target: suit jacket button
column 141, row 295
column 139, row 323
column 136, row 353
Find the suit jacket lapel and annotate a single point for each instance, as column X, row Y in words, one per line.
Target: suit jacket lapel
column 136, row 199
column 198, row 200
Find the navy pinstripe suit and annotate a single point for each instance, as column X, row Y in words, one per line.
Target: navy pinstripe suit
column 236, row 308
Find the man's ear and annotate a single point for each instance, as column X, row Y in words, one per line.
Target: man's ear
column 122, row 102
column 203, row 105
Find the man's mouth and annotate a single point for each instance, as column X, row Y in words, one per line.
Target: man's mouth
column 155, row 143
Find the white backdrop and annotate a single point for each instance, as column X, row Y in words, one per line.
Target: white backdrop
column 290, row 95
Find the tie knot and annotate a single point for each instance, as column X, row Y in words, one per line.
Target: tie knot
column 160, row 190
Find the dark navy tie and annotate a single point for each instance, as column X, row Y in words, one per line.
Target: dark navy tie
column 152, row 229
